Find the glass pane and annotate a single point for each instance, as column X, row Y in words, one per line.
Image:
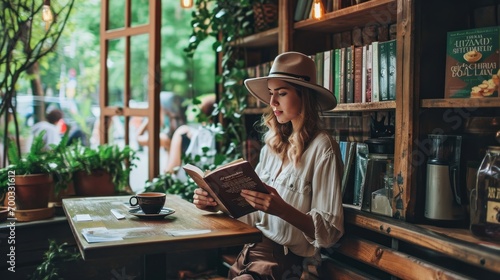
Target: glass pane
column 140, row 12
column 115, row 65
column 116, row 14
column 116, row 130
column 139, row 174
column 139, row 78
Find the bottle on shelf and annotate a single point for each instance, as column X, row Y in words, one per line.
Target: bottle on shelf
column 485, row 198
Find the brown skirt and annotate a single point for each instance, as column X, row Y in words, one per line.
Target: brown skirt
column 266, row 260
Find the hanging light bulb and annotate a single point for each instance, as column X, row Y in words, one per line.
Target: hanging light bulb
column 318, row 10
column 186, row 4
column 47, row 15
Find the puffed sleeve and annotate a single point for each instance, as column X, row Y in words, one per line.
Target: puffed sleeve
column 326, row 202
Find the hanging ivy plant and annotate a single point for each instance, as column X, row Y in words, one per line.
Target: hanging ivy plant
column 226, row 21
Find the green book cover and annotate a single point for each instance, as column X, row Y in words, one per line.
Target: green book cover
column 318, row 60
column 472, row 63
column 336, row 74
column 307, row 9
column 375, row 73
column 392, row 69
column 349, row 77
column 299, row 10
column 383, row 53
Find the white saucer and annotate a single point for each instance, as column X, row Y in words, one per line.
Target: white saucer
column 163, row 213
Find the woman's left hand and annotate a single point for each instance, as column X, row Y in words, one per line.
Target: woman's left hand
column 271, row 203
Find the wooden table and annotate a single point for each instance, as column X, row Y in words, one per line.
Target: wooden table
column 152, row 238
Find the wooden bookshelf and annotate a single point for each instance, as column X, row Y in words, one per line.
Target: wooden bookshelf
column 371, row 106
column 347, row 18
column 421, row 28
column 461, row 102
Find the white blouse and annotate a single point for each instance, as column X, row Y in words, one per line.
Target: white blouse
column 314, row 188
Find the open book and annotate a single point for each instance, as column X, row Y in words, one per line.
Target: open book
column 225, row 183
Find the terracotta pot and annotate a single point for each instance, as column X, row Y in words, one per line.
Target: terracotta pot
column 97, row 183
column 32, row 191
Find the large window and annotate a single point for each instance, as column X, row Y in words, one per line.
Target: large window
column 130, row 86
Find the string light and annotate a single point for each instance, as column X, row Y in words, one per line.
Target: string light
column 186, row 4
column 318, row 9
column 47, row 15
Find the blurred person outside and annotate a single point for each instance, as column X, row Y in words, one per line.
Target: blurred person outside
column 173, row 115
column 50, row 126
column 190, row 139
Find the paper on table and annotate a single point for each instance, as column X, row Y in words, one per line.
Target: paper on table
column 99, row 234
column 183, row 232
column 102, row 234
column 82, row 217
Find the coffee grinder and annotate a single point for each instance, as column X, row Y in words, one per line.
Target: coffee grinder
column 443, row 200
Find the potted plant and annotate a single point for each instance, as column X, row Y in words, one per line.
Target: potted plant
column 227, row 22
column 28, row 178
column 101, row 171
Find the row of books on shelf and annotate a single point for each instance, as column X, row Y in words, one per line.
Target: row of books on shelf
column 355, row 74
column 303, row 9
column 359, row 74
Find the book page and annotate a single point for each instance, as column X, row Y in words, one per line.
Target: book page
column 225, row 183
column 234, row 162
column 197, row 175
column 198, row 172
column 228, row 182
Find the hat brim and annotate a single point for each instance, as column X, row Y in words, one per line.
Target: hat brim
column 258, row 88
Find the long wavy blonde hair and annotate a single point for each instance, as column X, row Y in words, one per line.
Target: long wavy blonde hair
column 291, row 142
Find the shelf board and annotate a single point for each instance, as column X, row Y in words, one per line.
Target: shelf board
column 266, row 38
column 461, row 102
column 344, row 107
column 450, row 242
column 373, row 11
column 382, row 105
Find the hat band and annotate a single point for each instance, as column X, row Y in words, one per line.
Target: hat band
column 306, row 78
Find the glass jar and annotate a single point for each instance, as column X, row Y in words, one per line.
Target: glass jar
column 485, row 198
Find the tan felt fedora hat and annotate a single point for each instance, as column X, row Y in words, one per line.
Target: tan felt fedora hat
column 293, row 67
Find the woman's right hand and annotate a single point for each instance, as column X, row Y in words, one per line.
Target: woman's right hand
column 204, row 201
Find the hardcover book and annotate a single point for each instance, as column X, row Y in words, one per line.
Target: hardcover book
column 358, row 75
column 348, row 152
column 336, row 75
column 363, row 73
column 327, row 72
column 225, row 183
column 391, row 67
column 299, row 10
column 360, row 174
column 349, row 75
column 472, row 63
column 375, row 73
column 383, row 66
column 307, row 10
column 318, row 60
column 369, row 63
column 342, row 63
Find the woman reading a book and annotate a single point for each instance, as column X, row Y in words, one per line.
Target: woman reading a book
column 301, row 166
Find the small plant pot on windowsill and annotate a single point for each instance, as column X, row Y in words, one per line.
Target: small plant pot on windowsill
column 96, row 183
column 32, row 191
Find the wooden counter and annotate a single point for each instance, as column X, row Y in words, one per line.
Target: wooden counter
column 396, row 248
